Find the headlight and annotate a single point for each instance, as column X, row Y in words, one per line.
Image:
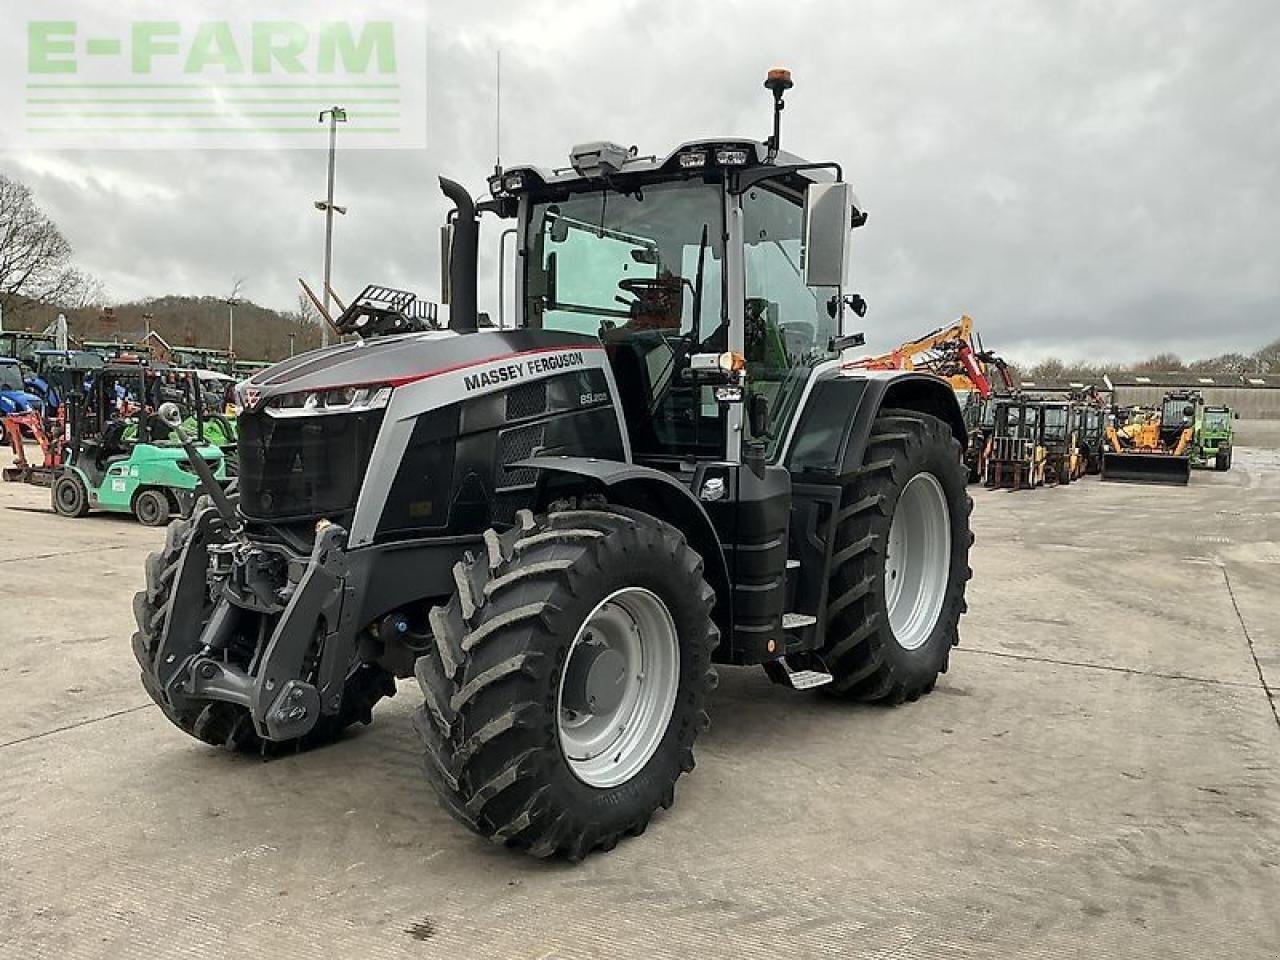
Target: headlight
column 731, row 157
column 309, row 403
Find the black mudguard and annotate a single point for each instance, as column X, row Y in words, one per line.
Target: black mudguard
column 835, row 423
column 653, row 491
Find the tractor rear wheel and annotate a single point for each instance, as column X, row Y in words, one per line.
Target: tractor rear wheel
column 70, row 498
column 901, row 562
column 151, row 508
column 568, row 679
column 1222, row 461
column 218, row 723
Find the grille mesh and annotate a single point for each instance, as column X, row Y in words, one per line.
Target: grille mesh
column 527, row 400
column 515, row 445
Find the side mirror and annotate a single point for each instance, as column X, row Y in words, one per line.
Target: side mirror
column 831, row 212
column 758, row 415
column 446, row 246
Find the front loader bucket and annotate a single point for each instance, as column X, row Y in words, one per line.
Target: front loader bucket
column 1164, row 468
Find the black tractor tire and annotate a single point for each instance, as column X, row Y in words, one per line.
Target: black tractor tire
column 1222, row 462
column 70, row 496
column 492, row 686
column 152, row 508
column 862, row 653
column 231, row 462
column 223, row 724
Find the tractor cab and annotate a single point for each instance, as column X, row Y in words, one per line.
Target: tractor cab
column 1062, row 440
column 22, row 345
column 62, row 373
column 713, row 276
column 1213, row 437
column 1016, row 453
column 1178, row 411
column 1092, row 435
column 648, row 259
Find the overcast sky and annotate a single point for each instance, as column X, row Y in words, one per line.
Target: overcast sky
column 1091, row 179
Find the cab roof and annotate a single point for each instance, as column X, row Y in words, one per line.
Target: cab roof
column 631, row 163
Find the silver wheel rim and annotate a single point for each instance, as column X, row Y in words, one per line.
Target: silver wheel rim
column 618, row 687
column 917, row 561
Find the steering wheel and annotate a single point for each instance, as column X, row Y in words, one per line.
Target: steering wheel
column 799, row 337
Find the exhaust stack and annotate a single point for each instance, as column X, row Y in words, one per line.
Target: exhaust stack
column 463, row 251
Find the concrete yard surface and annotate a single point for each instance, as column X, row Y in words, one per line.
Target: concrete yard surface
column 1098, row 776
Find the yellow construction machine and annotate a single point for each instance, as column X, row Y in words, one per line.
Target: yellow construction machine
column 1154, row 445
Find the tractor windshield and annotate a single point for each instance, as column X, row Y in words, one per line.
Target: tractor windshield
column 641, row 270
column 1174, row 412
column 1217, row 421
column 1055, row 423
column 10, row 376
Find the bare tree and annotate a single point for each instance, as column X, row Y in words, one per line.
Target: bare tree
column 1268, row 358
column 35, row 258
column 1161, row 362
column 306, row 312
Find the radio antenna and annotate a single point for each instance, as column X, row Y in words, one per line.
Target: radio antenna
column 497, row 131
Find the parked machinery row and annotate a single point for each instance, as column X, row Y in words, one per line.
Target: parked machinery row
column 103, row 445
column 1023, row 442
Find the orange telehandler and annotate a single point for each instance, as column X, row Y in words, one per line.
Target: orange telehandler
column 1154, row 446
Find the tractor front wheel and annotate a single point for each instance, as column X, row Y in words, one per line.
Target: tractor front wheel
column 568, row 679
column 70, row 497
column 901, row 562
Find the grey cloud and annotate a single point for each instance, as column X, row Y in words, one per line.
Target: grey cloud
column 1092, row 178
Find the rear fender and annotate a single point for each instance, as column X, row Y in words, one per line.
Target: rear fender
column 835, row 423
column 646, row 489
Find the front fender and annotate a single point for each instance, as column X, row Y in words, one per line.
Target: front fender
column 649, row 490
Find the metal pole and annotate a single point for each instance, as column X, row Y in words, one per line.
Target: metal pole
column 231, row 327
column 291, row 336
column 328, row 220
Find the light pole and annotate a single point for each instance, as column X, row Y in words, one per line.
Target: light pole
column 232, row 302
column 336, row 116
column 291, row 336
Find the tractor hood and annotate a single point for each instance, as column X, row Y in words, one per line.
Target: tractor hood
column 18, row 401
column 398, row 360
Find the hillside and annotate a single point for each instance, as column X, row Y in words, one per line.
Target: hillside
column 260, row 333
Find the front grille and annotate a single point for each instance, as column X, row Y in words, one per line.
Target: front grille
column 518, row 444
column 527, row 400
column 294, row 468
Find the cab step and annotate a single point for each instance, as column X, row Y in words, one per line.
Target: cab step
column 780, row 671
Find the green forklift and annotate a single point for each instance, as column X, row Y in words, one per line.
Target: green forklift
column 120, row 456
column 1212, row 444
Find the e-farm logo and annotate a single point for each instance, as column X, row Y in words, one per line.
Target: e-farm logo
column 145, row 78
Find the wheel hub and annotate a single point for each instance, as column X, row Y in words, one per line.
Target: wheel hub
column 618, row 687
column 595, row 680
column 917, row 565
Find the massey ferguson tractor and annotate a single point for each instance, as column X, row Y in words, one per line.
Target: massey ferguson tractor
column 560, row 526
